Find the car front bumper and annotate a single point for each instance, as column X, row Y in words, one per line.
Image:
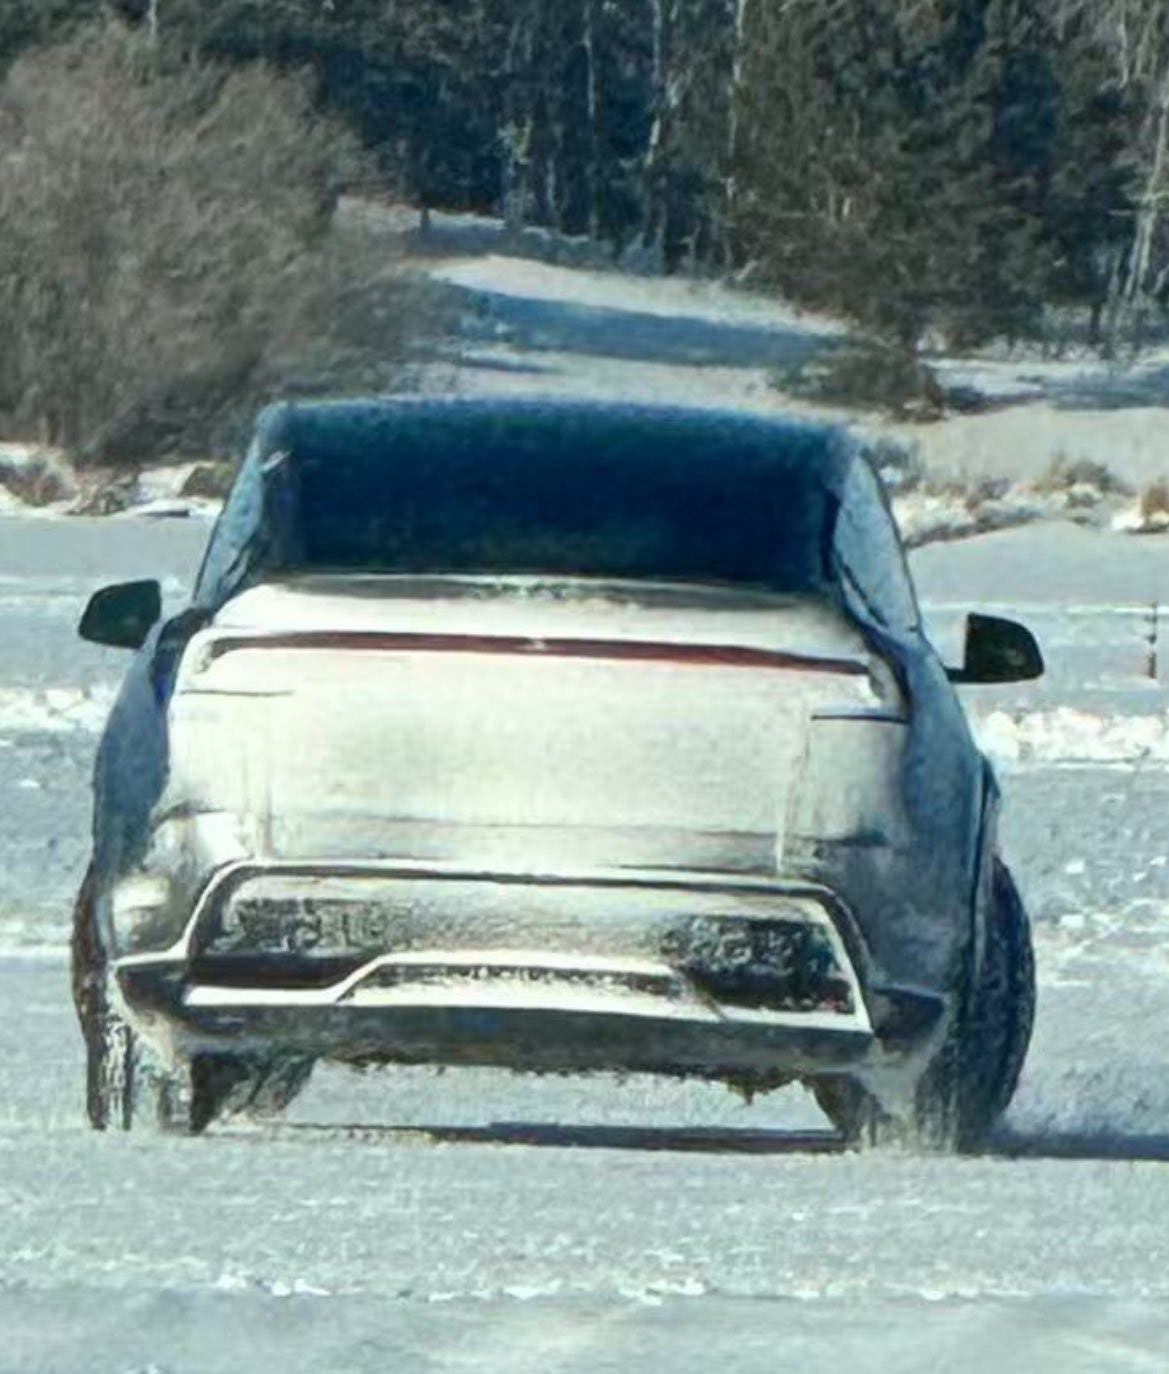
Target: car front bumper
column 706, row 975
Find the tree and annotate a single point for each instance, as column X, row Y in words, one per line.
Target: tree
column 159, row 231
column 926, row 167
column 893, row 162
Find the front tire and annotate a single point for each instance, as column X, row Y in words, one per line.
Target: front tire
column 124, row 1090
column 111, row 1072
column 974, row 1074
column 111, row 1049
column 126, row 1087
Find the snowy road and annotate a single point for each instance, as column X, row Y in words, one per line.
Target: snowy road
column 481, row 1221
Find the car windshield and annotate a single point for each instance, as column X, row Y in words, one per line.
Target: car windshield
column 586, row 519
column 628, row 497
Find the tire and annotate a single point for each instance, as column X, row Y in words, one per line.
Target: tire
column 973, row 1076
column 111, row 1068
column 127, row 1088
column 111, row 1054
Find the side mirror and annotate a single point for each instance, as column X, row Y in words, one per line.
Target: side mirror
column 122, row 616
column 998, row 651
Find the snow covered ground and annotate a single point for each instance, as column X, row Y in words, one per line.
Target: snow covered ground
column 532, row 326
column 482, row 1221
column 479, row 1220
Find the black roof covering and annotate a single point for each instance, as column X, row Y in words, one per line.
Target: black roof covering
column 567, row 487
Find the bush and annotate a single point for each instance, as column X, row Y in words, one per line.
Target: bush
column 163, row 231
column 868, row 376
column 1154, row 505
column 898, row 464
column 1063, row 476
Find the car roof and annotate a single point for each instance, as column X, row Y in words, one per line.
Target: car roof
column 564, row 486
column 560, row 431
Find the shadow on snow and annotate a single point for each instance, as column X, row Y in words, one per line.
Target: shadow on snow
column 603, row 331
column 1005, row 1144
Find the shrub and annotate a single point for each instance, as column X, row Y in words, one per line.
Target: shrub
column 1062, row 475
column 162, row 242
column 898, row 464
column 868, row 376
column 1154, row 505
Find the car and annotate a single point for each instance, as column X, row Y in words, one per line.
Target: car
column 555, row 736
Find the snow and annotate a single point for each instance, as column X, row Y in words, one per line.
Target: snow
column 675, row 299
column 9, row 504
column 929, row 516
column 1024, row 441
column 51, row 710
column 487, row 1221
column 565, row 1223
column 171, row 508
column 1068, row 736
column 166, row 482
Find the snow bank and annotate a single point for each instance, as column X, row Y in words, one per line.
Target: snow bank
column 55, row 710
column 1023, row 442
column 924, row 516
column 1142, row 517
column 34, row 478
column 1067, row 736
column 40, row 482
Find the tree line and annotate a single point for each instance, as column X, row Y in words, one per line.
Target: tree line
column 932, row 169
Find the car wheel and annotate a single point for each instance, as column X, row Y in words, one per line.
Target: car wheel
column 126, row 1087
column 127, row 1090
column 110, row 1049
column 130, row 1089
column 1015, row 934
column 973, row 1076
column 110, row 1074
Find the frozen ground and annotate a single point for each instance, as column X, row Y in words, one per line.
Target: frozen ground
column 481, row 1221
column 484, row 1222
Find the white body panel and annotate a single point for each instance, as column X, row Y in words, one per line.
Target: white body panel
column 527, row 758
